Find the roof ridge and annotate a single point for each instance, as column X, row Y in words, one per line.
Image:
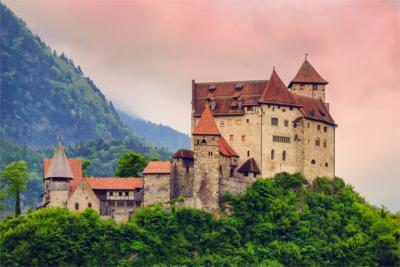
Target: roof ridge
column 229, row 82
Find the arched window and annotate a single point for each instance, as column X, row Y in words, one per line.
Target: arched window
column 324, row 143
column 272, row 154
column 317, row 142
column 231, row 172
column 284, row 155
column 313, row 161
column 203, row 142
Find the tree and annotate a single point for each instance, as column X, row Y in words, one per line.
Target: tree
column 85, row 164
column 16, row 175
column 130, row 164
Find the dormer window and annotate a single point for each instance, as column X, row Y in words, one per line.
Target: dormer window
column 239, row 87
column 212, row 88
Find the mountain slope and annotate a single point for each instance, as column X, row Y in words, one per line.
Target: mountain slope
column 44, row 95
column 157, row 134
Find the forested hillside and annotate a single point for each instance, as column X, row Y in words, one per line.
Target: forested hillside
column 284, row 221
column 157, row 134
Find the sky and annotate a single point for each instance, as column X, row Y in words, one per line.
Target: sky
column 143, row 55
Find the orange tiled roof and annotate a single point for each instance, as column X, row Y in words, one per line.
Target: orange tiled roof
column 314, row 109
column 115, row 183
column 307, row 74
column 206, row 124
column 157, row 167
column 225, row 149
column 277, row 93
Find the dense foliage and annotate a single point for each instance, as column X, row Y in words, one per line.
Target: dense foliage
column 279, row 221
column 130, row 164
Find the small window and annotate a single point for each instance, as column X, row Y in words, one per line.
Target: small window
column 111, row 193
column 243, row 138
column 126, row 194
column 187, row 169
column 313, row 161
column 246, row 174
column 325, row 129
column 232, row 172
column 231, row 137
column 308, row 125
column 89, row 205
column 229, row 122
column 295, row 137
column 203, row 142
column 324, row 143
column 247, row 121
column 76, row 206
column 284, row 155
column 238, row 122
column 273, row 108
column 272, row 154
column 221, row 123
column 248, row 153
column 318, row 127
column 210, row 154
column 286, row 123
column 283, row 110
column 198, row 141
column 120, row 194
column 317, row 142
column 326, row 164
column 274, row 121
column 220, row 170
column 314, row 87
column 302, row 87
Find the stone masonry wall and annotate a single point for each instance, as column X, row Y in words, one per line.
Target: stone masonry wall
column 84, row 197
column 182, row 178
column 308, row 90
column 156, row 188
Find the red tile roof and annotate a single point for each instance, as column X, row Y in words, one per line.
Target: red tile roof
column 307, row 74
column 184, row 153
column 314, row 109
column 225, row 149
column 157, row 167
column 115, row 183
column 223, row 95
column 277, row 93
column 206, row 124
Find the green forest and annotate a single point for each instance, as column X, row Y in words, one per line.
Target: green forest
column 284, row 221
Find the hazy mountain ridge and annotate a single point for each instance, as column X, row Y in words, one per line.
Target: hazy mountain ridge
column 157, row 134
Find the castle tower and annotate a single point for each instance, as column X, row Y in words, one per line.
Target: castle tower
column 57, row 180
column 308, row 82
column 206, row 155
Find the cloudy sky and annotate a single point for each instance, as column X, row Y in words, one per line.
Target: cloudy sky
column 143, row 56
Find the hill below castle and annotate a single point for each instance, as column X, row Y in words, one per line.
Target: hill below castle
column 284, row 221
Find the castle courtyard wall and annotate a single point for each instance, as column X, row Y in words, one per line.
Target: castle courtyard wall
column 157, row 188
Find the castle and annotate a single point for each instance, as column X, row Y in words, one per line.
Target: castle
column 241, row 130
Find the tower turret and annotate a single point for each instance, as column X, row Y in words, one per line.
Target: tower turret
column 57, row 178
column 308, row 82
column 206, row 155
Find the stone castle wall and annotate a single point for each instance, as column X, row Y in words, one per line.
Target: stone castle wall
column 84, row 197
column 157, row 188
column 309, row 90
column 182, row 177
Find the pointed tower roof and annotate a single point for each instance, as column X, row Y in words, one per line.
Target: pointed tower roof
column 276, row 92
column 59, row 166
column 249, row 166
column 307, row 74
column 225, row 149
column 206, row 125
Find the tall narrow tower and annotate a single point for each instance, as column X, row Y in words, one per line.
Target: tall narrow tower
column 308, row 82
column 206, row 155
column 57, row 178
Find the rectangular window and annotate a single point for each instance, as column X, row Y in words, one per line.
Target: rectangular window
column 76, row 206
column 89, row 205
column 280, row 139
column 210, row 154
column 243, row 138
column 238, row 122
column 126, row 193
column 274, row 121
column 229, row 122
column 286, row 123
column 318, row 127
column 325, row 129
column 221, row 123
column 231, row 137
column 111, row 193
column 247, row 121
column 120, row 194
